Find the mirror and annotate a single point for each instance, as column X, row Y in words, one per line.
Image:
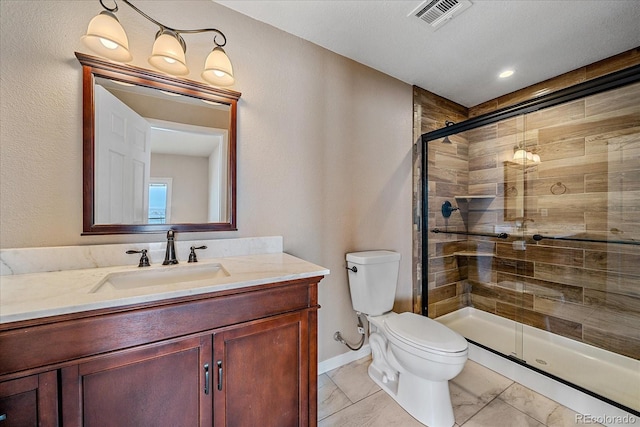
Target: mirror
column 159, row 151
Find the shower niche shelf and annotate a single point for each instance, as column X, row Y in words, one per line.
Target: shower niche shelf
column 474, row 254
column 470, row 198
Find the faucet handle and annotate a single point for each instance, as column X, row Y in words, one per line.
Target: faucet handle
column 192, row 255
column 144, row 259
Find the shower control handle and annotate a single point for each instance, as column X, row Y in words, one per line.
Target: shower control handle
column 447, row 209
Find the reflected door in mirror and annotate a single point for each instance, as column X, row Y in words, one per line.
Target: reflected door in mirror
column 123, row 162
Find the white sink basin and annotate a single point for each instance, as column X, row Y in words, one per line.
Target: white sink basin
column 191, row 274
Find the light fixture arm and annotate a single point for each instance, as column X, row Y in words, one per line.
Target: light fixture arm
column 165, row 27
column 113, row 9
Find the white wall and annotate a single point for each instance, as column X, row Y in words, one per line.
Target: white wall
column 324, row 143
column 190, row 192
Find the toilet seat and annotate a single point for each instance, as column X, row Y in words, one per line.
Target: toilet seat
column 424, row 334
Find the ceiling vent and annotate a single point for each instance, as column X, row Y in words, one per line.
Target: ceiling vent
column 438, row 12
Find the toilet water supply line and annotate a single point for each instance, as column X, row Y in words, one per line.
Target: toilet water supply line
column 338, row 336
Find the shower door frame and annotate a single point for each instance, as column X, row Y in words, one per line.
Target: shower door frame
column 610, row 81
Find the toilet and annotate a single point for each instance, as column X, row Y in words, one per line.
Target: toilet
column 414, row 357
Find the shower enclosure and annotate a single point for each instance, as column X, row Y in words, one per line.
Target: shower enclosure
column 531, row 234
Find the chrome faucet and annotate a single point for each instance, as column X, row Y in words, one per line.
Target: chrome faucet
column 170, row 254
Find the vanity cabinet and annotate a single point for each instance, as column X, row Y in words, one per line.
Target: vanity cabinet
column 242, row 357
column 29, row 401
column 273, row 354
column 150, row 386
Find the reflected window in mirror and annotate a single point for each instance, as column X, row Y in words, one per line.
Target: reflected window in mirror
column 147, row 133
column 159, row 201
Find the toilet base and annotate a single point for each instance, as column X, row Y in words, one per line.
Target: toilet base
column 427, row 401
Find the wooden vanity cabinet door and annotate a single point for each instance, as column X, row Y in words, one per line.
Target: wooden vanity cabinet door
column 157, row 385
column 264, row 367
column 30, row 401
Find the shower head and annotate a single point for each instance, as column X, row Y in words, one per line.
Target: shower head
column 446, row 139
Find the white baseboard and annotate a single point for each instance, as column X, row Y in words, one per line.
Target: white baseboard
column 343, row 359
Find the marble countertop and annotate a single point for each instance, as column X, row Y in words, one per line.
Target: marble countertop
column 36, row 295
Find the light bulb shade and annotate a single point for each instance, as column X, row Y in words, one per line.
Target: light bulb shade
column 217, row 68
column 519, row 156
column 168, row 54
column 536, row 158
column 106, row 37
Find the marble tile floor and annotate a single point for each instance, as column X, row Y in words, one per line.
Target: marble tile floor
column 480, row 397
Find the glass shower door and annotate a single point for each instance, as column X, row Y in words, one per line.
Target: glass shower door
column 538, row 255
column 584, row 246
column 477, row 218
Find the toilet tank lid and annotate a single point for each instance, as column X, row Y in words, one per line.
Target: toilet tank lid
column 373, row 257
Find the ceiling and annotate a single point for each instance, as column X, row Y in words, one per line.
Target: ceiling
column 460, row 60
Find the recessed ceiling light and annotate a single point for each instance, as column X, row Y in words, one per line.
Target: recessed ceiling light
column 505, row 74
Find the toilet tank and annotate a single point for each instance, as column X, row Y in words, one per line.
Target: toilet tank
column 373, row 285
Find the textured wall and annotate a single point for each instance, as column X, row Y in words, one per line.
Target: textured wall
column 324, row 143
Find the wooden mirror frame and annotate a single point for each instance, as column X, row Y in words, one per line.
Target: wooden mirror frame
column 96, row 67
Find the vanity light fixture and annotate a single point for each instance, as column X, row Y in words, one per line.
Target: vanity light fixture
column 106, row 37
column 521, row 156
column 218, row 67
column 168, row 53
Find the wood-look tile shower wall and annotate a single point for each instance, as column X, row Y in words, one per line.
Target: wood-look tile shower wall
column 591, row 148
column 587, row 186
column 430, row 113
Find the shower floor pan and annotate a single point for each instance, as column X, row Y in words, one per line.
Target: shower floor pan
column 605, row 373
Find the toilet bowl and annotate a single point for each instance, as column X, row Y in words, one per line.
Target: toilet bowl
column 413, row 357
column 415, row 369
